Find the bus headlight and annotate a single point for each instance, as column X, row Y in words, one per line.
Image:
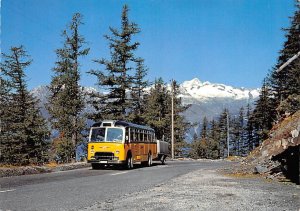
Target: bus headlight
column 117, row 152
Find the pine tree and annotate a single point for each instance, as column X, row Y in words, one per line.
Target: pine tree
column 280, row 93
column 243, row 147
column 204, row 129
column 66, row 98
column 222, row 127
column 286, row 82
column 24, row 131
column 138, row 92
column 157, row 114
column 249, row 130
column 203, row 146
column 291, row 103
column 264, row 114
column 5, row 118
column 194, row 145
column 213, row 136
column 237, row 131
column 181, row 126
column 157, row 110
column 116, row 78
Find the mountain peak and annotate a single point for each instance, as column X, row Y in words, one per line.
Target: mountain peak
column 195, row 82
column 206, row 90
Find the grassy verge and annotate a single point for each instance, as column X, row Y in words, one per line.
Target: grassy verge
column 8, row 171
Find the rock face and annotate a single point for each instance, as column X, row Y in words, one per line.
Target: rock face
column 282, row 136
column 283, row 146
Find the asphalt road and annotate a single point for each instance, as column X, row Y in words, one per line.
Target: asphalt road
column 180, row 185
column 77, row 189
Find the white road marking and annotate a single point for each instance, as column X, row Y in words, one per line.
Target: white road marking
column 162, row 166
column 4, row 191
column 119, row 173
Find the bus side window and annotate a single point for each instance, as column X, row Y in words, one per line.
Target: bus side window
column 127, row 135
column 137, row 135
column 146, row 136
column 141, row 135
column 132, row 135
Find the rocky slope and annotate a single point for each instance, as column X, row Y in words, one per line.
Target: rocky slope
column 278, row 155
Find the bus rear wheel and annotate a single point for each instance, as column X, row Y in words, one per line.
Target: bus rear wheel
column 129, row 162
column 163, row 160
column 149, row 162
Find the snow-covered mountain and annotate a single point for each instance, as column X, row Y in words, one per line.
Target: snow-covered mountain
column 210, row 99
column 197, row 91
column 205, row 99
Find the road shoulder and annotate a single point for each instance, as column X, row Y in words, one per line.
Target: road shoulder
column 208, row 190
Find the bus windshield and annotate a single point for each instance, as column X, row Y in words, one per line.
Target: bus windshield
column 107, row 135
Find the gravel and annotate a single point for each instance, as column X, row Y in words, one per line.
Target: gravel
column 27, row 170
column 208, row 190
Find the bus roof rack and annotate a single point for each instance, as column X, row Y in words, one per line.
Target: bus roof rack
column 111, row 123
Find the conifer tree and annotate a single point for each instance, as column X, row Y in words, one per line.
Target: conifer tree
column 203, row 149
column 116, row 78
column 286, row 82
column 157, row 114
column 181, row 126
column 66, row 98
column 249, row 130
column 237, row 131
column 213, row 136
column 204, row 129
column 157, row 110
column 23, row 130
column 242, row 133
column 222, row 126
column 138, row 92
column 6, row 118
column 264, row 114
column 280, row 93
column 291, row 103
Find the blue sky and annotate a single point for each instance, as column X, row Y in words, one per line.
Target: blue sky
column 235, row 42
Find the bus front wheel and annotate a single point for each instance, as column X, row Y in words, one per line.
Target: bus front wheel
column 97, row 166
column 129, row 162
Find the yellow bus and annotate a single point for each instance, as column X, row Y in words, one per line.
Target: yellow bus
column 118, row 142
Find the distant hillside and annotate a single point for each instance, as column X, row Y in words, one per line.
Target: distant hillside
column 205, row 99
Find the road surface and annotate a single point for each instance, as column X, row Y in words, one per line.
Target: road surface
column 175, row 186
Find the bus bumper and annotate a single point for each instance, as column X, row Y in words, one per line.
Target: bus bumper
column 109, row 162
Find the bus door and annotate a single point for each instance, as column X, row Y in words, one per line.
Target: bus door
column 135, row 144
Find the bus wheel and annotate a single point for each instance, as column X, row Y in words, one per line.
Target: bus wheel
column 96, row 166
column 163, row 160
column 149, row 163
column 129, row 162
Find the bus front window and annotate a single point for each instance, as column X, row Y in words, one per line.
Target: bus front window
column 114, row 135
column 98, row 135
